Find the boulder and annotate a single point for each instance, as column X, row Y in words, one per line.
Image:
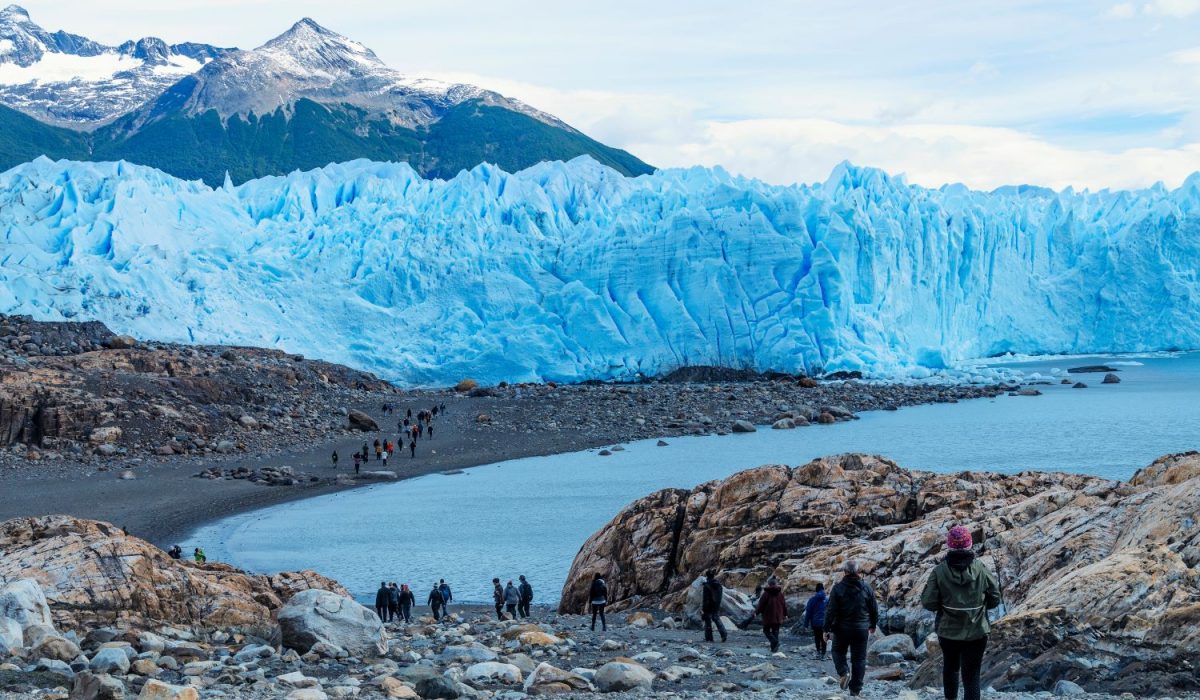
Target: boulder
column 492, row 672
column 22, row 600
column 131, row 583
column 12, row 637
column 157, row 690
column 783, row 424
column 105, row 435
column 616, row 676
column 56, row 647
column 314, row 616
column 674, row 674
column 437, row 687
column 394, row 688
column 361, row 421
column 900, row 644
column 538, row 638
column 639, row 619
column 467, row 653
column 734, row 604
column 1109, row 378
column 743, row 426
column 110, row 660
column 1065, row 687
column 89, row 686
column 122, row 342
column 549, row 680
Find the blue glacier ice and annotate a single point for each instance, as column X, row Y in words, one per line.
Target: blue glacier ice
column 569, row 271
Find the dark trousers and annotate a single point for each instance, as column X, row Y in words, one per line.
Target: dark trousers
column 599, row 610
column 709, row 619
column 393, row 611
column 499, row 611
column 523, row 608
column 965, row 658
column 854, row 641
column 819, row 640
column 437, row 612
column 771, row 632
column 381, row 611
column 512, row 610
column 406, row 612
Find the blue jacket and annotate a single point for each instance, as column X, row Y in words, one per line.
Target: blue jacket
column 814, row 611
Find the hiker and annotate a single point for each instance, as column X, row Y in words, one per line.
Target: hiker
column 378, row 450
column 961, row 590
column 851, row 616
column 814, row 618
column 498, row 598
column 447, row 596
column 526, row 595
column 435, row 602
column 385, row 457
column 393, row 601
column 381, row 601
column 175, row 552
column 512, row 599
column 357, row 462
column 412, row 450
column 773, row 608
column 409, row 414
column 407, row 601
column 710, row 606
column 366, row 455
column 598, row 596
column 198, row 555
column 335, row 459
column 429, row 430
column 434, row 410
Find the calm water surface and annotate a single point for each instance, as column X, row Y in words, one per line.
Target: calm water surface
column 529, row 516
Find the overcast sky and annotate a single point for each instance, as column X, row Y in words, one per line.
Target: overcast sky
column 1088, row 94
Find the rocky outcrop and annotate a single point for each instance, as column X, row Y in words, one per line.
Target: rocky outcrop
column 1099, row 576
column 93, row 574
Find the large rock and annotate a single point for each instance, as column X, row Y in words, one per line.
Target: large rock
column 21, row 601
column 550, row 680
column 901, row 644
column 437, row 687
column 361, row 421
column 157, row 690
column 1117, row 559
column 493, row 672
column 314, row 616
column 110, row 660
column 93, row 574
column 89, row 686
column 467, row 653
column 616, row 676
column 735, row 604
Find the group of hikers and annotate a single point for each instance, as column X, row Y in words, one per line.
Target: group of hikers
column 960, row 590
column 513, row 599
column 176, row 552
column 410, row 427
column 394, row 602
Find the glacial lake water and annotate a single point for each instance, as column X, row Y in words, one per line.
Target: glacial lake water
column 530, row 516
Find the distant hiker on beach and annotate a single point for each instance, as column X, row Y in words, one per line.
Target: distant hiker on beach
column 385, row 457
column 198, row 555
column 814, row 618
column 378, row 450
column 447, row 595
column 773, row 608
column 435, row 603
column 526, row 593
column 393, row 601
column 412, row 450
column 598, row 597
column 381, row 601
column 407, row 601
column 357, row 462
column 366, row 455
column 498, row 598
column 512, row 599
column 335, row 459
column 429, row 430
column 961, row 590
column 710, row 606
column 851, row 616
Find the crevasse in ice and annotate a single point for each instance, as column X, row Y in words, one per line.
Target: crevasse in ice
column 569, row 271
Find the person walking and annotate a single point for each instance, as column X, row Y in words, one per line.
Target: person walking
column 429, row 430
column 435, row 602
column 773, row 608
column 386, row 454
column 814, row 619
column 851, row 616
column 710, row 606
column 598, row 596
column 447, row 595
column 526, row 591
column 393, row 601
column 407, row 601
column 512, row 599
column 412, row 450
column 357, row 462
column 498, row 598
column 378, row 450
column 961, row 590
column 381, row 601
column 335, row 459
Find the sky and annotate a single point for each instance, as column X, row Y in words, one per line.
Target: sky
column 1081, row 94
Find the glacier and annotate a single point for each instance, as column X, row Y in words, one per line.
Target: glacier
column 570, row 271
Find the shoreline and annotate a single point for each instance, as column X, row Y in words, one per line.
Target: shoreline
column 166, row 501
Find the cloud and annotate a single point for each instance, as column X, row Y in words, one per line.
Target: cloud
column 1172, row 8
column 1124, row 10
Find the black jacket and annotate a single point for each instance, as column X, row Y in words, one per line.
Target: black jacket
column 407, row 598
column 435, row 598
column 393, row 596
column 711, row 602
column 526, row 592
column 851, row 606
column 599, row 593
column 382, row 596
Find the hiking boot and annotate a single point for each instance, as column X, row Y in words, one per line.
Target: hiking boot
column 844, row 681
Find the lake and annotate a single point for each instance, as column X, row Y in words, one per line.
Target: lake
column 530, row 516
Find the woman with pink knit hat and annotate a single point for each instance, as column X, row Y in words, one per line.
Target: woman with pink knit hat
column 961, row 590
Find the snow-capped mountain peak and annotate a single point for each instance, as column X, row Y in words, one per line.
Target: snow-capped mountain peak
column 71, row 80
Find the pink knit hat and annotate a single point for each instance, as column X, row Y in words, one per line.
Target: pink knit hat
column 959, row 537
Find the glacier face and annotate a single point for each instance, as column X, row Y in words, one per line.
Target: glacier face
column 569, row 271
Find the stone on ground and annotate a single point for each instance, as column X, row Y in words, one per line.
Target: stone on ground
column 315, row 616
column 617, row 676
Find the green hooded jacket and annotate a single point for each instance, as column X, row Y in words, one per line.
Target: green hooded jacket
column 961, row 590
